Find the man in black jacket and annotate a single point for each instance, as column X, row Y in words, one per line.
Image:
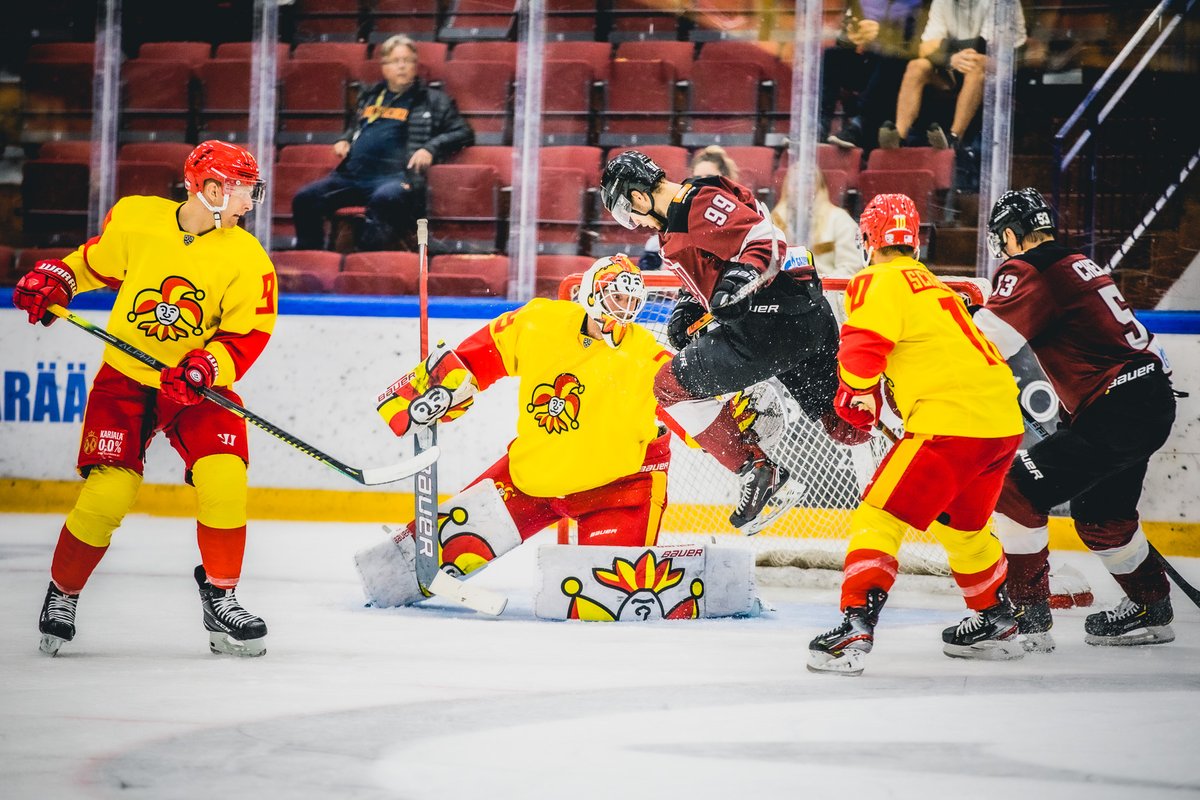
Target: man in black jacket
column 401, row 127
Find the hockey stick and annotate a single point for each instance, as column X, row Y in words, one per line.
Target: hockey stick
column 425, row 497
column 368, row 477
column 1188, row 589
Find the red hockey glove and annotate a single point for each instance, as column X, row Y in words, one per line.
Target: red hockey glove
column 859, row 407
column 50, row 282
column 182, row 383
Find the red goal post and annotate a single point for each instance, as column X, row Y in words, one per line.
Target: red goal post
column 812, row 533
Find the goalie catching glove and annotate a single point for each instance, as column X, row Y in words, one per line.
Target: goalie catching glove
column 439, row 389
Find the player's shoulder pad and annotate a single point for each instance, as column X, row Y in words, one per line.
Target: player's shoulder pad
column 681, row 206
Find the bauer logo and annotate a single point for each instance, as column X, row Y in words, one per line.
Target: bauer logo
column 53, row 393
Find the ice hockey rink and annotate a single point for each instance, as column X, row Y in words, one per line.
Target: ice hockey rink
column 438, row 702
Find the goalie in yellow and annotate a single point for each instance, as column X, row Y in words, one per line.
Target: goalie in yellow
column 586, row 373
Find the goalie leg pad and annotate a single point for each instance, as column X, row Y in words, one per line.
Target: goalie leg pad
column 388, row 571
column 637, row 584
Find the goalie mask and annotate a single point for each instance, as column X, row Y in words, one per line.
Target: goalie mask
column 231, row 166
column 629, row 172
column 1022, row 211
column 889, row 220
column 612, row 292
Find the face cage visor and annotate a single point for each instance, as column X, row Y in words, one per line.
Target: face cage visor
column 254, row 192
column 995, row 244
column 622, row 299
column 622, row 211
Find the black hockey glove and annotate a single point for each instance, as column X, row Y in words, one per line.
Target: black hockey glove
column 687, row 310
column 732, row 280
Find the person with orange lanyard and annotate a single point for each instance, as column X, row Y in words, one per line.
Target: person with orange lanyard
column 400, row 129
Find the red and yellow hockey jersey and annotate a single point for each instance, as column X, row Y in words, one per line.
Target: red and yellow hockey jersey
column 586, row 411
column 947, row 377
column 177, row 291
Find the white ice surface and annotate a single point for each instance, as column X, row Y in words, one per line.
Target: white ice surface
column 439, row 703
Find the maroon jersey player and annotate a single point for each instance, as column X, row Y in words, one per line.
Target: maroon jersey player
column 1117, row 410
column 717, row 239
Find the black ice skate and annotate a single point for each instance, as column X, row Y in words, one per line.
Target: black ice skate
column 1131, row 623
column 57, row 623
column 232, row 630
column 1034, row 622
column 761, row 480
column 990, row 635
column 842, row 650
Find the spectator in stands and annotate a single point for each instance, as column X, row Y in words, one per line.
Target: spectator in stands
column 951, row 57
column 864, row 68
column 401, row 128
column 713, row 161
column 832, row 231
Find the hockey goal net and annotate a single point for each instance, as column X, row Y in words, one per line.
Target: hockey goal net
column 809, row 528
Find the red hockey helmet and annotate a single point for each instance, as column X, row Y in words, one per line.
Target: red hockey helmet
column 889, row 220
column 232, row 166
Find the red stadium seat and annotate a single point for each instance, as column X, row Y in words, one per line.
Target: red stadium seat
column 581, row 157
column 32, row 255
column 562, row 195
column 382, row 272
column 315, row 154
column 165, row 152
column 567, row 103
column 329, row 20
column 224, row 99
column 56, row 100
column 765, row 54
column 636, row 19
column 478, row 19
column 939, row 162
column 831, row 156
column 152, row 178
column 505, row 52
column 482, row 90
column 571, row 21
column 68, row 150
column 640, row 104
column 312, row 104
column 348, row 53
column 469, row 275
column 244, row 51
column 416, row 19
column 192, row 53
column 680, row 55
column 917, row 184
column 156, row 100
column 499, row 157
column 54, row 201
column 464, row 206
column 723, row 104
column 306, row 271
column 597, row 54
column 553, row 268
column 756, row 166
column 82, row 52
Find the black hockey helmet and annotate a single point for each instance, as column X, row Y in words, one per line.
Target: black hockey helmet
column 629, row 172
column 1022, row 210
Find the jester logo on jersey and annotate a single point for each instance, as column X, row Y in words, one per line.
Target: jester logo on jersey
column 642, row 582
column 169, row 312
column 555, row 407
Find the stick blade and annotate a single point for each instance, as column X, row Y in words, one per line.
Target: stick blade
column 398, row 472
column 476, row 598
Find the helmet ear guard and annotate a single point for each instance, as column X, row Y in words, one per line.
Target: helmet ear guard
column 612, row 292
column 1022, row 211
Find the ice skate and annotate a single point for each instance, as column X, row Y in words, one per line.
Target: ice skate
column 1034, row 622
column 843, row 650
column 57, row 622
column 761, row 480
column 991, row 634
column 1131, row 623
column 232, row 630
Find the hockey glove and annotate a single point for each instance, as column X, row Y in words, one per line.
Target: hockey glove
column 733, row 279
column 859, row 407
column 182, row 383
column 439, row 389
column 50, row 282
column 687, row 310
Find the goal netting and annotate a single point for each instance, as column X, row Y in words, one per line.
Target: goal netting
column 809, row 528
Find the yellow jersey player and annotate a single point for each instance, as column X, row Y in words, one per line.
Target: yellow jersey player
column 197, row 291
column 958, row 400
column 586, row 388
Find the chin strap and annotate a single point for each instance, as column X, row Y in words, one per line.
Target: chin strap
column 216, row 210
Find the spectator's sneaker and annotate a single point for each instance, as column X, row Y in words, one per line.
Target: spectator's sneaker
column 842, row 650
column 991, row 634
column 937, row 137
column 1131, row 623
column 889, row 137
column 847, row 138
column 1034, row 622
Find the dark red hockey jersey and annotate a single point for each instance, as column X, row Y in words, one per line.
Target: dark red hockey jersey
column 1073, row 316
column 710, row 223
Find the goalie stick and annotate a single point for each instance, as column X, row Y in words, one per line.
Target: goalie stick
column 1188, row 589
column 368, row 477
column 430, row 577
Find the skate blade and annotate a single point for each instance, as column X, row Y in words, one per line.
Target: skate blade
column 791, row 493
column 850, row 663
column 1037, row 642
column 991, row 650
column 223, row 644
column 1155, row 634
column 50, row 644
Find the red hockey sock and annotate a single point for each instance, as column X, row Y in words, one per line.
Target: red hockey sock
column 221, row 550
column 979, row 588
column 73, row 562
column 1029, row 576
column 865, row 570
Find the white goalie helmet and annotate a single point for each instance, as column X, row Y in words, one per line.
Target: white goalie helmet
column 612, row 292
